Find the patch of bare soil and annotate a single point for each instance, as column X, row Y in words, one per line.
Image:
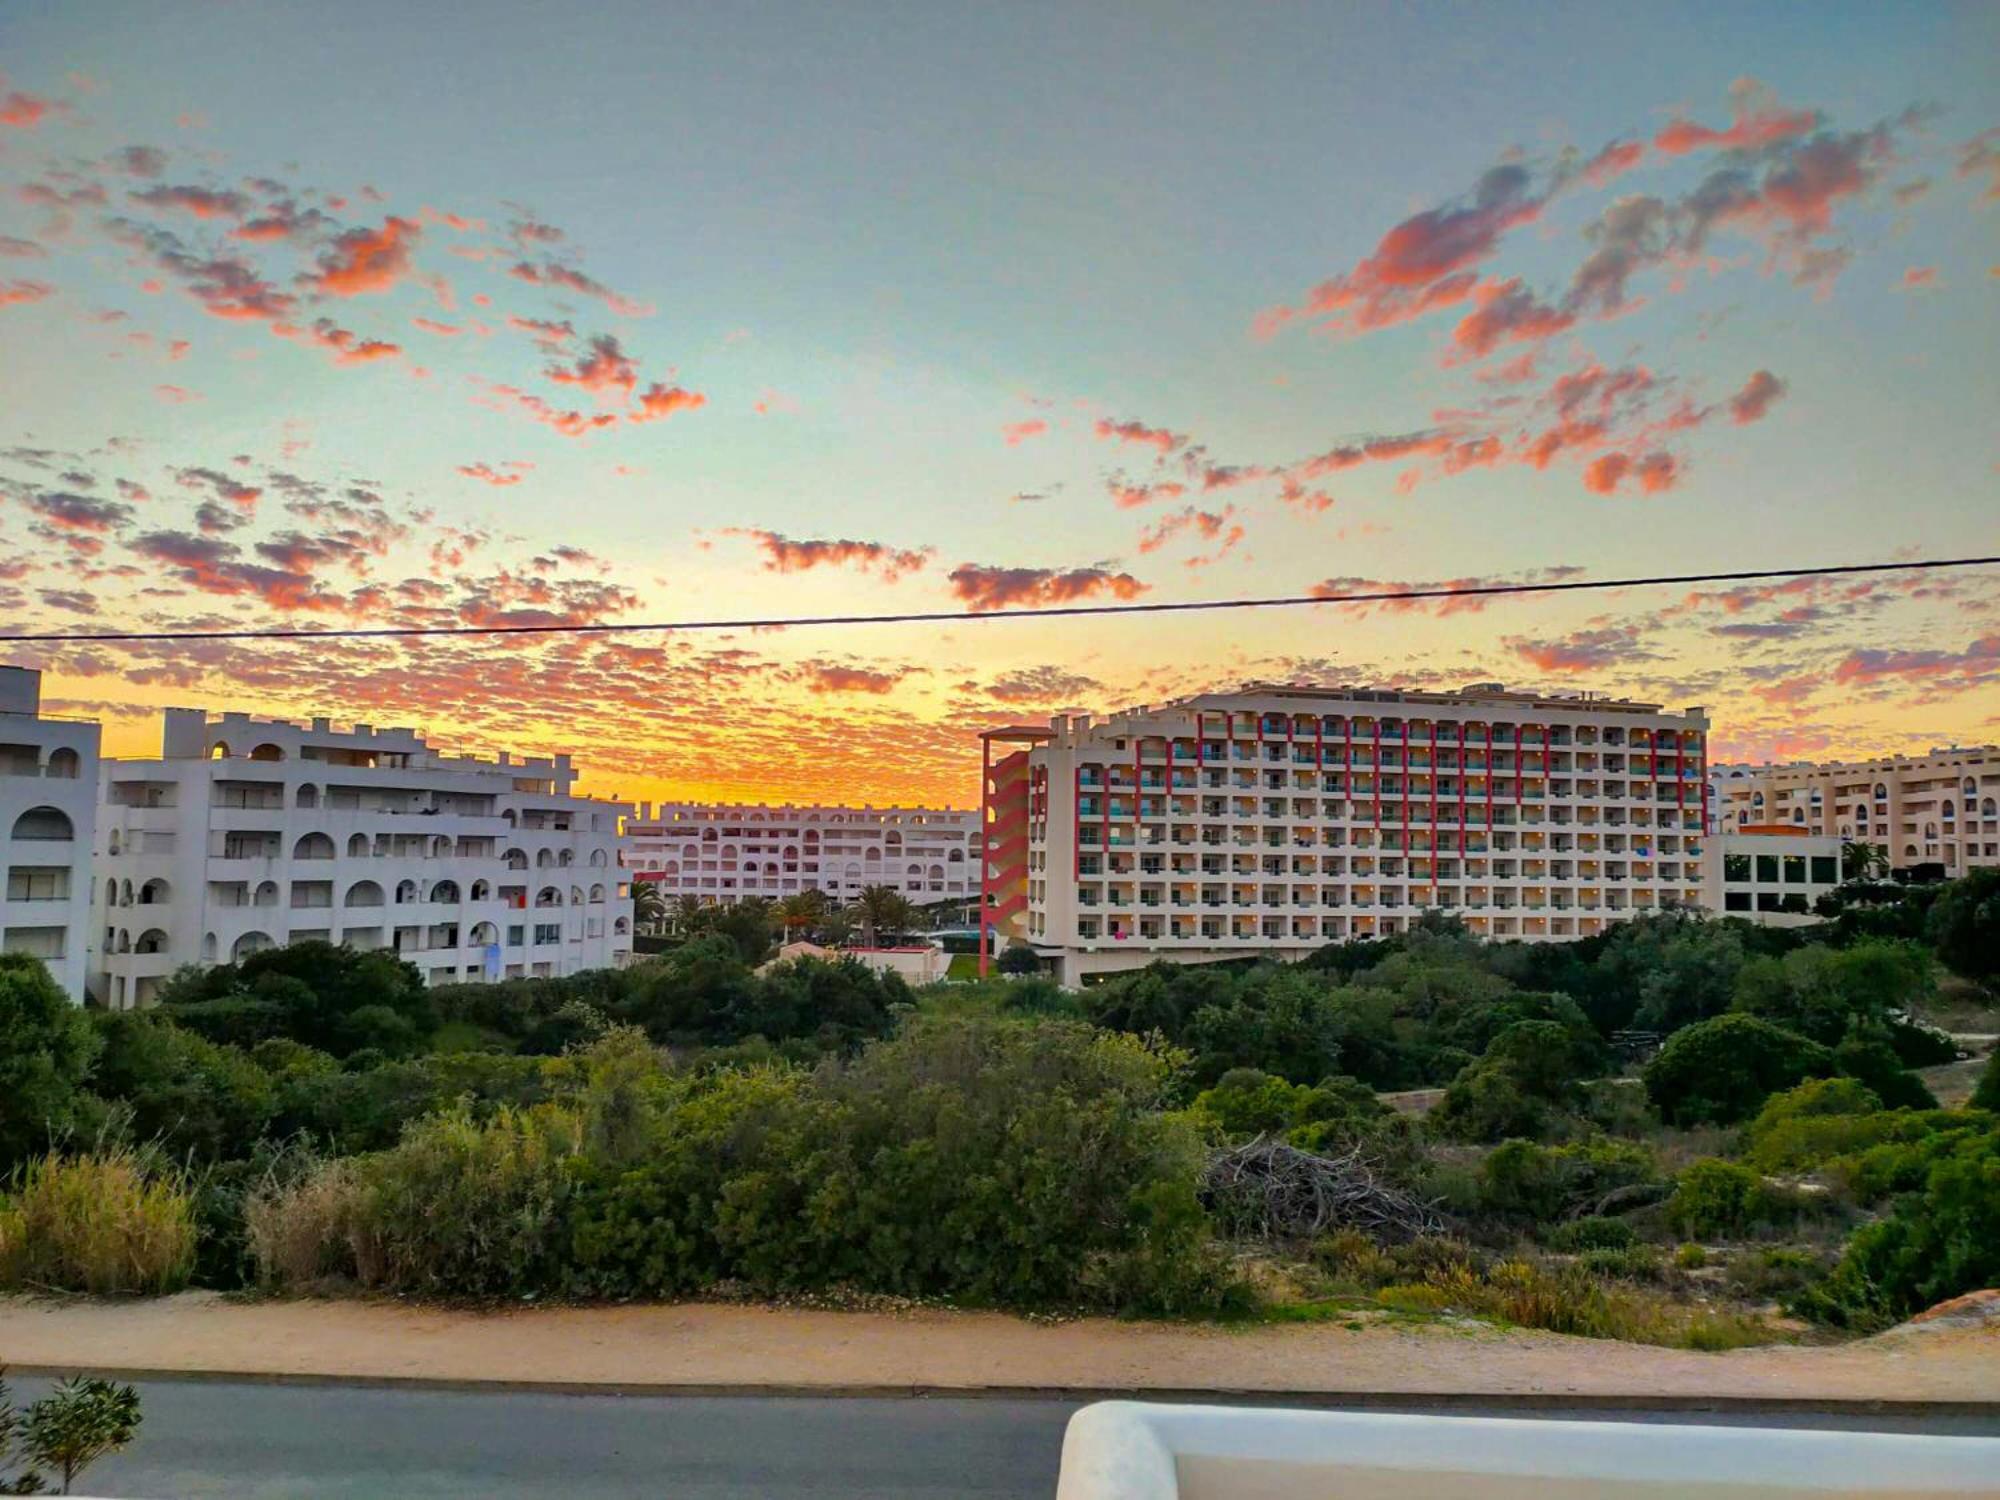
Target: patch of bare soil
column 708, row 1346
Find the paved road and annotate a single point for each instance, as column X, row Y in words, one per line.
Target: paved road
column 260, row 1442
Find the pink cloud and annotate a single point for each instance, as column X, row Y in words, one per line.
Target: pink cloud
column 1016, row 433
column 990, row 588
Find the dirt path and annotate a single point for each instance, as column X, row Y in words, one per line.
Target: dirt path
column 710, row 1347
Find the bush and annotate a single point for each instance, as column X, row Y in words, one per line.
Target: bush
column 1543, row 1184
column 1987, row 1094
column 1939, row 1242
column 458, row 1209
column 1874, row 1063
column 196, row 1098
column 1593, row 1233
column 46, row 1048
column 1964, row 926
column 99, row 1223
column 1722, row 1070
column 1716, row 1199
column 1823, row 993
column 1780, row 1273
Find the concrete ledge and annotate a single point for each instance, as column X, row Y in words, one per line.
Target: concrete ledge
column 1131, row 1451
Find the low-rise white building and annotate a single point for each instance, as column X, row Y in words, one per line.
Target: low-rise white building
column 249, row 833
column 723, row 852
column 1770, row 874
column 48, row 808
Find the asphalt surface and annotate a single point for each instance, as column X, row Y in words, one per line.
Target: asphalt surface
column 249, row 1441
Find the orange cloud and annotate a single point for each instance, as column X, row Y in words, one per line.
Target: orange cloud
column 1655, row 473
column 991, row 588
column 783, row 554
column 658, row 402
column 366, row 260
column 203, row 203
column 1139, row 432
column 18, row 293
column 1758, row 121
column 1759, row 391
column 511, row 472
column 603, row 367
column 1016, row 433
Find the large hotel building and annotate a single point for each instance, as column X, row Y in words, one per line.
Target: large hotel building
column 248, row 833
column 1937, row 809
column 720, row 853
column 1277, row 819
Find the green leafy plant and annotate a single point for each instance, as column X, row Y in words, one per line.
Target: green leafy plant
column 82, row 1420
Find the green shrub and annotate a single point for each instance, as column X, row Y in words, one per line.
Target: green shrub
column 1593, row 1233
column 1779, row 1273
column 1626, row 1263
column 1691, row 1257
column 195, row 1097
column 1720, row 1071
column 97, row 1223
column 1715, row 1199
column 1964, row 926
column 46, row 1048
column 1987, row 1094
column 1543, row 1184
column 457, row 1209
column 1874, row 1062
column 1940, row 1241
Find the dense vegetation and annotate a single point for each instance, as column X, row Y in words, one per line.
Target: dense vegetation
column 1653, row 1134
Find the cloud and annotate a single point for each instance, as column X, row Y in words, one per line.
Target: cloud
column 1759, row 391
column 14, row 248
column 366, row 260
column 1920, row 278
column 346, row 346
column 176, row 395
column 1138, row 432
column 138, row 161
column 1050, row 685
column 1458, row 596
column 827, row 677
column 1758, row 121
column 1506, row 312
column 72, row 512
column 1129, row 496
column 225, row 286
column 211, row 565
column 1941, row 671
column 1212, row 526
column 551, row 273
column 1980, row 157
column 549, row 336
column 1653, row 472
column 1588, row 650
column 1426, row 262
column 1613, row 161
column 1016, row 433
column 511, row 472
column 203, row 203
column 783, row 554
column 243, row 496
column 602, row 367
column 568, row 423
column 991, row 588
column 658, row 402
column 24, row 111
column 20, row 293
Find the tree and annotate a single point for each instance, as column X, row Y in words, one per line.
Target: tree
column 80, row 1421
column 690, row 915
column 1020, row 959
column 1862, row 862
column 1964, row 926
column 335, row 998
column 1722, row 1070
column 46, row 1049
column 883, row 914
column 1987, row 1095
column 649, row 907
column 802, row 913
column 1823, row 992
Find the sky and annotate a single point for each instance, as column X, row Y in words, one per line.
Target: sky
column 518, row 313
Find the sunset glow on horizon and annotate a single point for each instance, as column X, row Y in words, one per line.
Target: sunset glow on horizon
column 615, row 315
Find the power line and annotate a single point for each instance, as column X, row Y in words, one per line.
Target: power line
column 948, row 616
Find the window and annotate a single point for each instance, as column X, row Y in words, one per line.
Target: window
column 1736, row 901
column 38, row 883
column 1825, row 870
column 548, row 932
column 515, row 936
column 1736, row 868
column 1767, row 869
column 1795, row 869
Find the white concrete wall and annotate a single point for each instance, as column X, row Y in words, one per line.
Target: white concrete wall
column 45, row 763
column 1120, row 1450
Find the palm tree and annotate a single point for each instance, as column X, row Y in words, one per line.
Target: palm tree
column 1860, row 861
column 883, row 912
column 690, row 913
column 649, row 907
column 804, row 912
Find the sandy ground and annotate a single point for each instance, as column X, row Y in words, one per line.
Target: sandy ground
column 714, row 1347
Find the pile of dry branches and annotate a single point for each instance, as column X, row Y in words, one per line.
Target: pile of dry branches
column 1269, row 1188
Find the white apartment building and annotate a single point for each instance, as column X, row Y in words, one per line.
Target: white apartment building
column 249, row 833
column 1277, row 819
column 723, row 852
column 1939, row 808
column 1770, row 875
column 48, row 811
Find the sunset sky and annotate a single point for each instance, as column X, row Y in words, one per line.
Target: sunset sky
column 622, row 312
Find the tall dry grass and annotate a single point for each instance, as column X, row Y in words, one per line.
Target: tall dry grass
column 103, row 1222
